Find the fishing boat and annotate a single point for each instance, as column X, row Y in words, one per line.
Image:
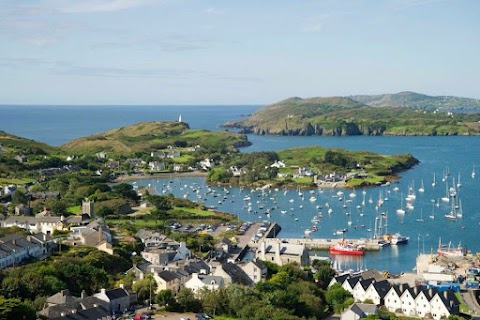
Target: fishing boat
column 307, row 232
column 344, row 248
column 448, row 251
column 397, row 238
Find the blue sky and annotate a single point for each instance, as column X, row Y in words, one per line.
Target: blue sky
column 234, row 52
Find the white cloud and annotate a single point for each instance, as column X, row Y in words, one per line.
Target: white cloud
column 89, row 6
column 213, row 10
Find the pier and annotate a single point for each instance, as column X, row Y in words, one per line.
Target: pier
column 321, row 244
column 324, row 244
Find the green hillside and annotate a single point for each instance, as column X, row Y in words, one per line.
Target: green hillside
column 12, row 144
column 149, row 136
column 417, row 100
column 345, row 116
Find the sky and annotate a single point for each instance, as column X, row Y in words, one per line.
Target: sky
column 163, row 52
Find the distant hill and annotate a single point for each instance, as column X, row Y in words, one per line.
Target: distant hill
column 346, row 116
column 18, row 145
column 149, row 136
column 417, row 100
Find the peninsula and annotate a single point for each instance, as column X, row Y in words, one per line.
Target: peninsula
column 339, row 116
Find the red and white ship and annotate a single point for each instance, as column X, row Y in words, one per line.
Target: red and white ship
column 449, row 251
column 346, row 249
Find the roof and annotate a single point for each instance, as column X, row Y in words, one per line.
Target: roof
column 63, row 297
column 88, row 314
column 209, row 279
column 448, row 298
column 382, row 287
column 259, row 264
column 400, row 288
column 363, row 309
column 341, row 279
column 371, row 274
column 353, row 281
column 167, row 275
column 287, row 248
column 366, row 283
column 116, row 293
column 414, row 291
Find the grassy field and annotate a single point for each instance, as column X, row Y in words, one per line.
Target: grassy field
column 75, row 209
column 15, row 181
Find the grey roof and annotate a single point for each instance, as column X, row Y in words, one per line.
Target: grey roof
column 341, row 279
column 400, row 288
column 287, row 248
column 259, row 264
column 366, row 283
column 91, row 302
column 371, row 274
column 196, row 267
column 353, row 281
column 414, row 291
column 63, row 297
column 88, row 314
column 116, row 293
column 382, row 287
column 58, row 310
column 449, row 299
column 208, row 279
column 167, row 275
column 363, row 309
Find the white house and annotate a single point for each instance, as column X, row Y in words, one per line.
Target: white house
column 444, row 304
column 101, row 155
column 199, row 281
column 118, row 299
column 377, row 291
column 156, row 166
column 339, row 279
column 350, row 283
column 256, row 270
column 392, row 302
column 360, row 290
column 15, row 248
column 408, row 301
column 207, row 164
column 278, row 164
column 422, row 302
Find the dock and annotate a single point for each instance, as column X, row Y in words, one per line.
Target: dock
column 324, row 244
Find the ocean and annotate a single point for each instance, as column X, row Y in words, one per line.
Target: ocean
column 456, row 155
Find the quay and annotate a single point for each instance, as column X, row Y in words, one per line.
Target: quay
column 317, row 244
column 324, row 244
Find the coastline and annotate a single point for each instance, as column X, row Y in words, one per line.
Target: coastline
column 138, row 176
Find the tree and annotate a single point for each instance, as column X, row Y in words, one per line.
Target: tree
column 324, row 275
column 125, row 191
column 15, row 309
column 187, row 302
column 19, row 198
column 145, row 288
column 337, row 297
column 166, row 298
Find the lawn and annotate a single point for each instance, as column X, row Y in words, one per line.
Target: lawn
column 205, row 213
column 16, row 181
column 75, row 209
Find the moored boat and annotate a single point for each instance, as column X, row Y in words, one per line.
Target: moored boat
column 344, row 248
column 397, row 238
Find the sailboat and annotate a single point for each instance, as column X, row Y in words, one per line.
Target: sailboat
column 434, row 182
column 432, row 215
column 401, row 210
column 459, row 184
column 422, row 188
column 460, row 211
column 452, row 215
column 447, row 197
column 473, row 172
column 421, row 216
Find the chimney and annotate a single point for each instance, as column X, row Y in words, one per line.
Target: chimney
column 430, row 292
column 83, row 295
column 262, row 250
column 277, row 252
column 103, row 291
column 445, row 294
column 121, row 286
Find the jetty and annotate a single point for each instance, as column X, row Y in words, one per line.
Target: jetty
column 324, row 244
column 313, row 243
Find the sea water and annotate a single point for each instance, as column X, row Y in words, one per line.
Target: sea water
column 455, row 154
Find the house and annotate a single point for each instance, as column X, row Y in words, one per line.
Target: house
column 118, row 299
column 44, row 195
column 278, row 164
column 112, row 164
column 71, row 157
column 350, row 283
column 303, row 172
column 45, row 224
column 236, row 171
column 167, row 280
column 158, row 154
column 156, row 166
column 444, row 304
column 63, row 305
column 173, row 154
column 359, row 311
column 89, row 235
column 22, row 209
column 21, row 158
column 377, row 291
column 207, row 164
column 16, row 247
column 340, row 279
column 408, row 301
column 256, row 270
column 9, row 190
column 199, row 281
column 392, row 300
column 177, row 167
column 282, row 253
column 232, row 273
column 101, row 155
column 135, row 162
column 360, row 289
column 422, row 302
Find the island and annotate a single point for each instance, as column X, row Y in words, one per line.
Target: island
column 310, row 167
column 340, row 116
